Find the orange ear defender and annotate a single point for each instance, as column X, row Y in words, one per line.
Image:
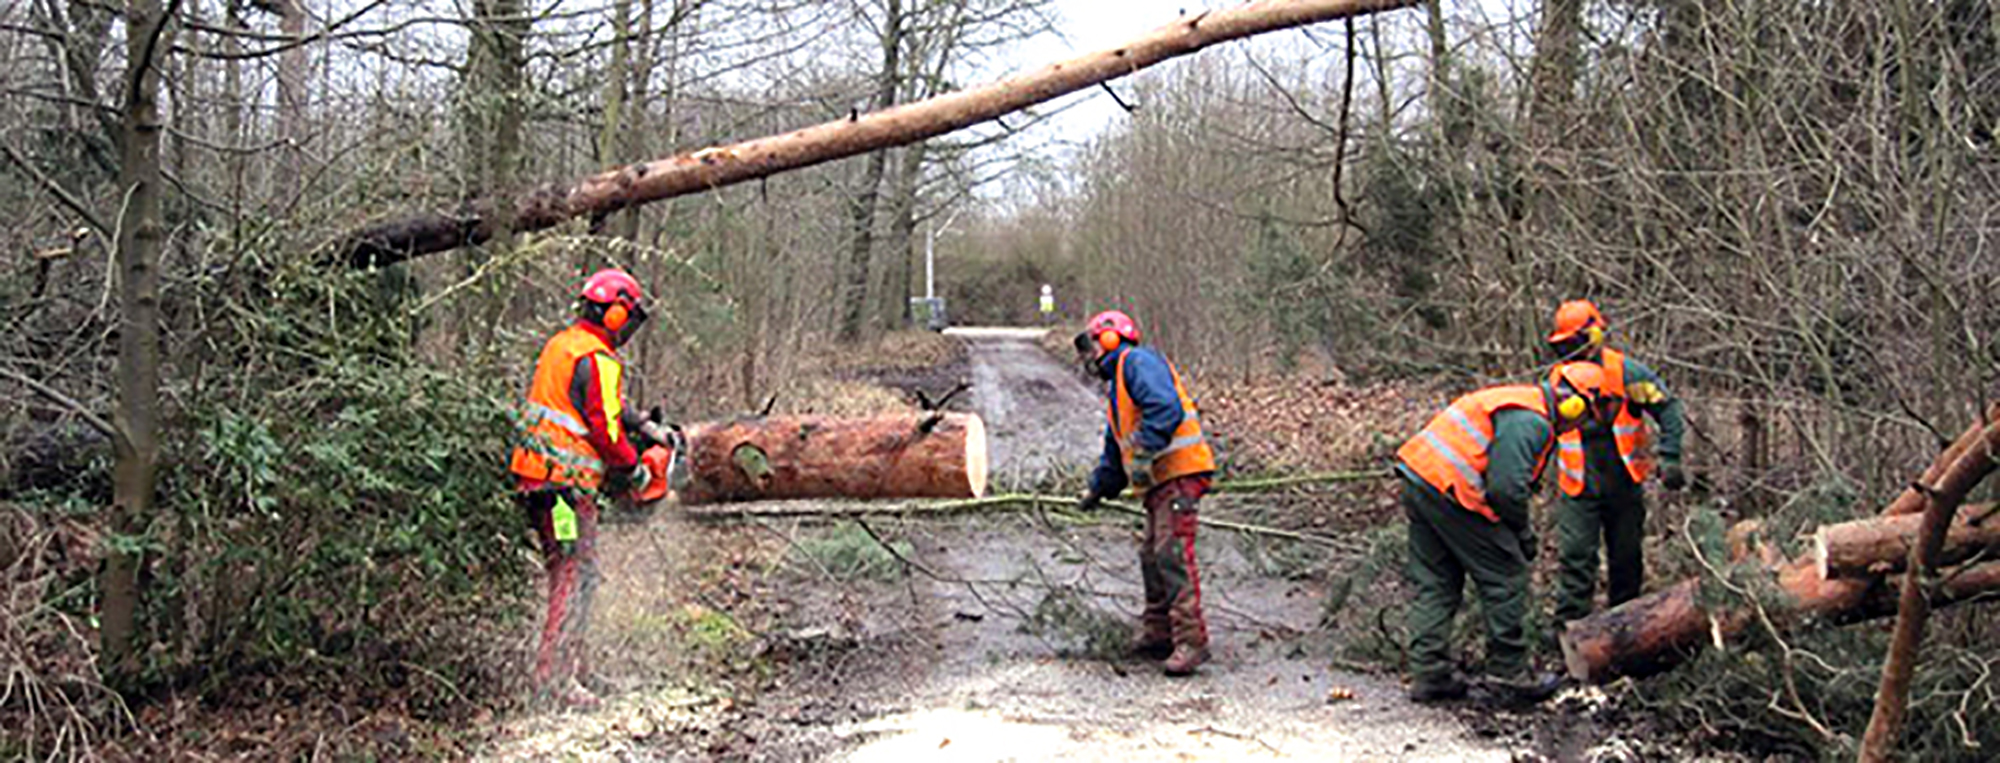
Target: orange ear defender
column 1108, row 340
column 615, row 317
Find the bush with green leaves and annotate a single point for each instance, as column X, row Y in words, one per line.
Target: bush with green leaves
column 334, row 507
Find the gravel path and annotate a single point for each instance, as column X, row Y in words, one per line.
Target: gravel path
column 979, row 687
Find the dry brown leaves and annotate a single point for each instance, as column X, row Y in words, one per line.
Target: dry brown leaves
column 1276, row 423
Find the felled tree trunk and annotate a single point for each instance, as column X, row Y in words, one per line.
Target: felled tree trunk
column 600, row 195
column 1883, row 544
column 1657, row 631
column 914, row 455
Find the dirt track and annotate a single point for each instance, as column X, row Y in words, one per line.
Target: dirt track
column 985, row 651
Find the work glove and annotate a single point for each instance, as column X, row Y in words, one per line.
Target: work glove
column 1672, row 477
column 1090, row 501
column 1142, row 469
column 1531, row 546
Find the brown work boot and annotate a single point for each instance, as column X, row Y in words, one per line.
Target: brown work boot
column 1185, row 659
column 1150, row 643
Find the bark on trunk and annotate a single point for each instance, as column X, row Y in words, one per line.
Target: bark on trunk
column 861, row 241
column 1883, row 544
column 136, row 450
column 599, row 195
column 915, row 455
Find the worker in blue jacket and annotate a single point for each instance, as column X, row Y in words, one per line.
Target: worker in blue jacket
column 1153, row 442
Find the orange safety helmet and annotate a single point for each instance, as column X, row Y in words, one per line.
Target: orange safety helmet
column 1110, row 328
column 1581, row 385
column 1576, row 317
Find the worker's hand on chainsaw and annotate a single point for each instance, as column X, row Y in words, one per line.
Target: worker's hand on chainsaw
column 625, row 480
column 1090, row 501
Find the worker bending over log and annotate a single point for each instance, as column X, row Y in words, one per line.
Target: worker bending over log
column 1467, row 478
column 1153, row 442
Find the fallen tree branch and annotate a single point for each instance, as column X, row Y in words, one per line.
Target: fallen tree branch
column 992, row 502
column 1280, row 483
column 710, row 168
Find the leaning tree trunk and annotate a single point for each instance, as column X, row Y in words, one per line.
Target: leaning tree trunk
column 1913, row 612
column 915, row 455
column 600, row 195
column 136, row 450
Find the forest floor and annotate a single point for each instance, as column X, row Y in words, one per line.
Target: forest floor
column 995, row 637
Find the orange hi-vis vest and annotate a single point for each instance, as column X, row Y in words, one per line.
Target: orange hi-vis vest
column 1451, row 452
column 555, row 449
column 1187, row 453
column 1628, row 429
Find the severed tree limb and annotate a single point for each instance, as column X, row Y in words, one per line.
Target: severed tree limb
column 1913, row 609
column 1280, row 483
column 995, row 502
column 607, row 192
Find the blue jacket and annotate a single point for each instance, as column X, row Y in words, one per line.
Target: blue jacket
column 1151, row 384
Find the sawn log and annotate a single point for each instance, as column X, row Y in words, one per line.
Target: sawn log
column 913, row 455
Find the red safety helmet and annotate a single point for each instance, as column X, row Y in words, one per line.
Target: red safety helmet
column 1111, row 327
column 618, row 294
column 1576, row 317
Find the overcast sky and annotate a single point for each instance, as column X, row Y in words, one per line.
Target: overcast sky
column 1085, row 26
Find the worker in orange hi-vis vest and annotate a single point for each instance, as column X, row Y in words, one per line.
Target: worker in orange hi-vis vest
column 1602, row 466
column 1153, row 442
column 578, row 446
column 1467, row 478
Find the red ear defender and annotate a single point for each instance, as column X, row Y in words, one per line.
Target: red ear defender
column 615, row 317
column 1108, row 340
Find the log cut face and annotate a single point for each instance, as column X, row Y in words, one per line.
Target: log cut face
column 1883, row 544
column 916, row 455
column 1641, row 637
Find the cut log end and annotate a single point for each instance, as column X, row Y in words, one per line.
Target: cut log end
column 975, row 455
column 1573, row 659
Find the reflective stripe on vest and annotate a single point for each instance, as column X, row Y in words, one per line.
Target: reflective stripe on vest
column 1629, row 431
column 1186, row 453
column 553, row 447
column 1451, row 453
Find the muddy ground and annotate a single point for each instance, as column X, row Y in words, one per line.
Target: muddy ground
column 993, row 637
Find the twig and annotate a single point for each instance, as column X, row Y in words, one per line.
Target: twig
column 62, row 195
column 1241, row 737
column 1276, row 483
column 96, row 422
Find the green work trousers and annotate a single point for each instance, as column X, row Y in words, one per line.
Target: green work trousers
column 1618, row 519
column 1447, row 545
